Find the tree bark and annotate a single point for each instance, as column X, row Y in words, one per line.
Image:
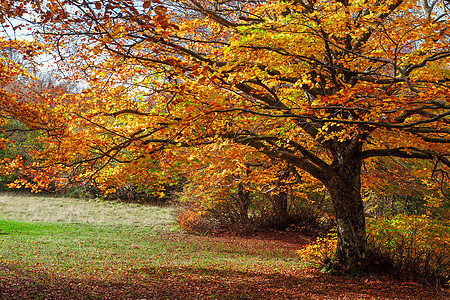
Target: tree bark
column 280, row 205
column 344, row 185
column 244, row 202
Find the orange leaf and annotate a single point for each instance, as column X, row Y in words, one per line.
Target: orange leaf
column 147, row 4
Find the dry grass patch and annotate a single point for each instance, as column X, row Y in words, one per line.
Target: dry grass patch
column 69, row 210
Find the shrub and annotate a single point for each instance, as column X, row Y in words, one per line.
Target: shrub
column 412, row 244
column 388, row 206
column 320, row 252
column 415, row 245
column 192, row 220
column 245, row 212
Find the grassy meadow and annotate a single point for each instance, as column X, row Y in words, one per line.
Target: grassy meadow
column 107, row 241
column 60, row 248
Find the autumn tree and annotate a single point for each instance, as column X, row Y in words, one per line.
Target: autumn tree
column 322, row 86
column 16, row 68
column 245, row 190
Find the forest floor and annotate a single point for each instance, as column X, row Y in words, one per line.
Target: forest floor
column 73, row 249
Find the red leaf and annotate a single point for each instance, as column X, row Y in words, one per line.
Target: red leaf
column 147, row 4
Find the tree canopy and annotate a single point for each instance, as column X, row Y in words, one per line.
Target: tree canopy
column 320, row 88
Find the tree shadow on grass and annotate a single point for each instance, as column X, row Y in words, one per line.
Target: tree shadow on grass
column 204, row 283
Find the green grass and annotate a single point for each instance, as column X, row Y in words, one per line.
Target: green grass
column 119, row 240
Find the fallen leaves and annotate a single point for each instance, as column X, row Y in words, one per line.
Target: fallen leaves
column 211, row 282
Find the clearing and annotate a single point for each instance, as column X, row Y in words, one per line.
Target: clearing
column 60, row 248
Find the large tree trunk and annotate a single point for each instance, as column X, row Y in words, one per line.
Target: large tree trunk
column 344, row 186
